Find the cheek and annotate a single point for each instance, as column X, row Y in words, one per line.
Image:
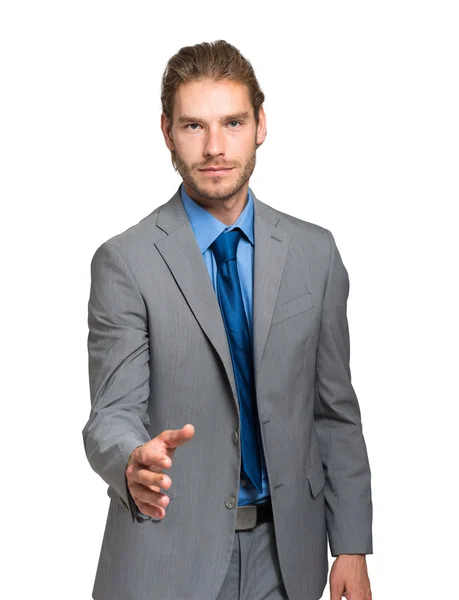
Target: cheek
column 185, row 154
column 188, row 152
column 244, row 148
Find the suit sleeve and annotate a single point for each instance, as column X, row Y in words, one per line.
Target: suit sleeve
column 348, row 503
column 118, row 352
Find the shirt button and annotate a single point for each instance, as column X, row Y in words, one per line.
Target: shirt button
column 235, row 437
column 230, row 502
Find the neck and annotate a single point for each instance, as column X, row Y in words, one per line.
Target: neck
column 226, row 210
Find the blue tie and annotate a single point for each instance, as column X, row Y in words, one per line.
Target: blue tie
column 232, row 308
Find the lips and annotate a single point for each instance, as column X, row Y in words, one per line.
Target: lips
column 218, row 169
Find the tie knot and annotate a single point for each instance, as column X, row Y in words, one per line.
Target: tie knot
column 225, row 246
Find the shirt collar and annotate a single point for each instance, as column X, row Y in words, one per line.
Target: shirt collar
column 207, row 228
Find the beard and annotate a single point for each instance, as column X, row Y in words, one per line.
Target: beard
column 220, row 190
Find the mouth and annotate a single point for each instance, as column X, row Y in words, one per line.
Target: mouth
column 216, row 171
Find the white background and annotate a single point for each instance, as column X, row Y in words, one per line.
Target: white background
column 362, row 104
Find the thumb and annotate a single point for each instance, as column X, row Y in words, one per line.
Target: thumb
column 336, row 590
column 177, row 437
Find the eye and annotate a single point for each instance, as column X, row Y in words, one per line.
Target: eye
column 189, row 125
column 237, row 122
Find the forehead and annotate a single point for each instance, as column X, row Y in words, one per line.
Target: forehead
column 207, row 98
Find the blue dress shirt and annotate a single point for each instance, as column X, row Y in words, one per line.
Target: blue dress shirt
column 206, row 229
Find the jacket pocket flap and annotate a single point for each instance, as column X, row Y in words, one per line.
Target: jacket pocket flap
column 113, row 494
column 316, row 477
column 292, row 308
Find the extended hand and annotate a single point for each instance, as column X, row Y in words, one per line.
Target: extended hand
column 144, row 470
column 349, row 578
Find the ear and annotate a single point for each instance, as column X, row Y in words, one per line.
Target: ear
column 261, row 129
column 167, row 132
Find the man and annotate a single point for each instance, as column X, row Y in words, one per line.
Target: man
column 223, row 415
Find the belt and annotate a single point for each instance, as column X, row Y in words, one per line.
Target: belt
column 251, row 515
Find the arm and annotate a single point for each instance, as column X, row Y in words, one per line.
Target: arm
column 348, row 504
column 118, row 349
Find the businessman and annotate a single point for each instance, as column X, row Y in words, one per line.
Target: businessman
column 223, row 418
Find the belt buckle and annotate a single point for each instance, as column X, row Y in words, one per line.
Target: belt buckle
column 246, row 517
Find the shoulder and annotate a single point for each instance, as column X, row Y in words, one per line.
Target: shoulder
column 136, row 239
column 303, row 232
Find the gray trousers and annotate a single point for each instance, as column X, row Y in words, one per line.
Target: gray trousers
column 254, row 571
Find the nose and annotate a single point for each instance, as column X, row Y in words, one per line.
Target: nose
column 214, row 144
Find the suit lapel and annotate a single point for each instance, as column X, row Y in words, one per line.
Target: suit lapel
column 270, row 254
column 181, row 253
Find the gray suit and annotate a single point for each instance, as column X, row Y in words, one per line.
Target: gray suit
column 159, row 358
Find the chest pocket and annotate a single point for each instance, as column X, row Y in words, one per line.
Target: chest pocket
column 292, row 308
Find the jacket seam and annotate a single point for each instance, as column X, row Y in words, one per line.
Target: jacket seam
column 129, row 271
column 324, row 407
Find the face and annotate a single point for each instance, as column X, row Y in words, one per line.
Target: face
column 214, row 126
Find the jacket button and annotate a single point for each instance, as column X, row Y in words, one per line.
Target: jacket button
column 235, row 437
column 230, row 502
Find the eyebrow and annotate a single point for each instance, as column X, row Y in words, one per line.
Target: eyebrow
column 237, row 116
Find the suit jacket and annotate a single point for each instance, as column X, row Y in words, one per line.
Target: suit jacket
column 159, row 358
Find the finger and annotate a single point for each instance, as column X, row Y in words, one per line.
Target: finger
column 141, row 474
column 173, row 438
column 336, row 591
column 150, row 457
column 151, row 511
column 149, row 478
column 148, row 496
